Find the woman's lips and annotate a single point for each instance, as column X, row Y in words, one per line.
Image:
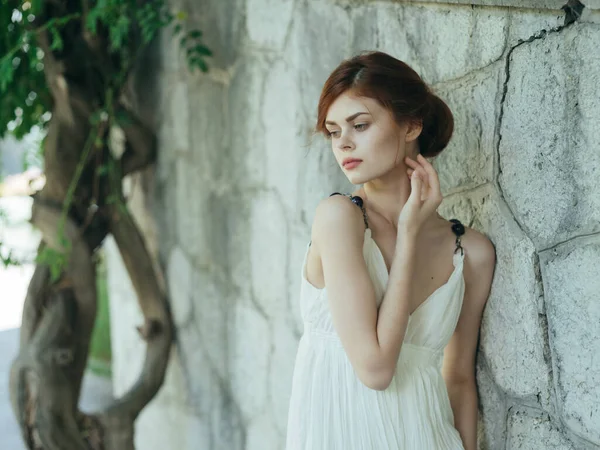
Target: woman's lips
column 352, row 164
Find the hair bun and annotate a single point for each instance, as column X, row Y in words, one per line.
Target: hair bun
column 438, row 126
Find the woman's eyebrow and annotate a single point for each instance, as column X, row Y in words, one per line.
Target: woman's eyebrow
column 348, row 119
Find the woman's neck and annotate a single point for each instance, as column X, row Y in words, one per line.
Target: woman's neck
column 387, row 195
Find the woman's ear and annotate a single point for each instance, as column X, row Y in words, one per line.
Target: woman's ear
column 413, row 130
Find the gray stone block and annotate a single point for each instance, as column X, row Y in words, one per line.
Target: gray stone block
column 263, row 30
column 530, row 429
column 211, row 302
column 223, row 26
column 549, row 157
column 228, row 429
column 285, row 346
column 425, row 35
column 192, row 218
column 572, row 288
column 250, row 350
column 262, row 435
column 268, row 248
column 533, row 4
column 318, row 43
column 365, row 34
column 209, row 130
column 179, row 276
column 245, row 157
column 512, row 337
column 525, row 23
column 491, row 429
column 283, row 124
column 469, row 159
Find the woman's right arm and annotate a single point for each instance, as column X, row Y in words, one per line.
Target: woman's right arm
column 371, row 337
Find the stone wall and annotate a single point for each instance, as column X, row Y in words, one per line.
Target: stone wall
column 228, row 208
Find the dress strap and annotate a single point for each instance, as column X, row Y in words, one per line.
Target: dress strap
column 358, row 201
column 458, row 229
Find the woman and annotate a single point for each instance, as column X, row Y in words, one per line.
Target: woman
column 392, row 294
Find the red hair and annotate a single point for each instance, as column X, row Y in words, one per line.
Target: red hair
column 398, row 88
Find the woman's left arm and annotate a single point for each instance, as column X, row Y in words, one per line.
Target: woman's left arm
column 459, row 356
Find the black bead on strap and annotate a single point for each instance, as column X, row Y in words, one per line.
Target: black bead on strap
column 459, row 229
column 358, row 201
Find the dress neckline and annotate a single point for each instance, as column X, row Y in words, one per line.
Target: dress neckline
column 457, row 261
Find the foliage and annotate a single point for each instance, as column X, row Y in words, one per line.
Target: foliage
column 25, row 100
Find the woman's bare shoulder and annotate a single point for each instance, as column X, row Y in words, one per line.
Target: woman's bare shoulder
column 479, row 248
column 479, row 266
column 335, row 216
column 337, row 232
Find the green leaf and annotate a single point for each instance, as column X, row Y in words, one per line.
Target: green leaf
column 201, row 64
column 202, row 50
column 119, row 31
column 9, row 260
column 36, row 7
column 57, row 42
column 92, row 20
column 6, row 72
column 56, row 261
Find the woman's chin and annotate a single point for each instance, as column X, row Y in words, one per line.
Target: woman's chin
column 356, row 178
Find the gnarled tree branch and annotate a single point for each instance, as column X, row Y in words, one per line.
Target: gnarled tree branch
column 84, row 204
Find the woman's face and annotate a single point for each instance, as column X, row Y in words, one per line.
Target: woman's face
column 366, row 140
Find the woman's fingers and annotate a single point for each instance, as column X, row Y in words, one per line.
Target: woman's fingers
column 425, row 187
column 434, row 182
column 416, row 186
column 414, row 165
column 423, row 193
column 411, row 162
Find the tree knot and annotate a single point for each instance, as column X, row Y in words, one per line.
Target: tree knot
column 151, row 328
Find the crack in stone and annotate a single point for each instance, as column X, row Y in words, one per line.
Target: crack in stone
column 288, row 32
column 537, row 36
column 543, row 324
column 259, row 309
column 467, row 190
column 568, row 241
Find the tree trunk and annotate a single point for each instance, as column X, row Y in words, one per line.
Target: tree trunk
column 60, row 311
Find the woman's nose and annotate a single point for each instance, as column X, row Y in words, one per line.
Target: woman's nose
column 344, row 143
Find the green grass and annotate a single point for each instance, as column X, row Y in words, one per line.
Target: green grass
column 100, row 356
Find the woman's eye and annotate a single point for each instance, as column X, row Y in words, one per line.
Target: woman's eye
column 334, row 133
column 360, row 126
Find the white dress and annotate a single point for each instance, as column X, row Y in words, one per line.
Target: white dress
column 331, row 409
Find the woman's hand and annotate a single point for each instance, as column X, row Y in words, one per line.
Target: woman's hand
column 425, row 195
